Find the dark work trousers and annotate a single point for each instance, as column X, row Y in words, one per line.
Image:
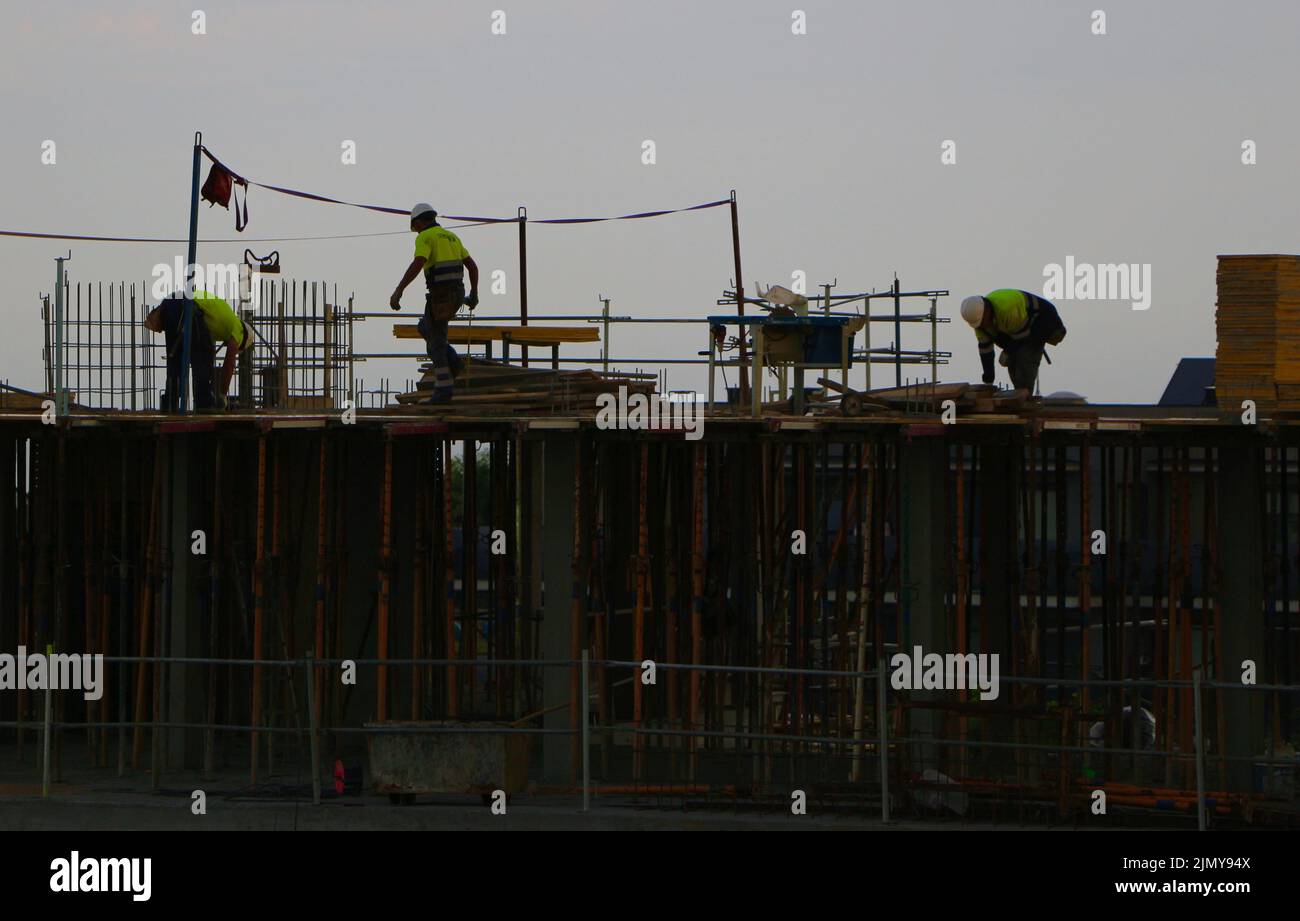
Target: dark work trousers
column 1025, row 355
column 440, row 305
column 203, row 355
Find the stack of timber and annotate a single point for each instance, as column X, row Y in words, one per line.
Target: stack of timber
column 1258, row 325
column 16, row 398
column 925, row 398
column 489, row 387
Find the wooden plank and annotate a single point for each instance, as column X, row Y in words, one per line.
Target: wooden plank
column 523, row 335
column 920, row 394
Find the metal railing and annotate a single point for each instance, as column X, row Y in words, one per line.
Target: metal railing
column 896, row 755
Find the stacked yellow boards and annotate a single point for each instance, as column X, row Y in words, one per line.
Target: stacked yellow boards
column 1258, row 324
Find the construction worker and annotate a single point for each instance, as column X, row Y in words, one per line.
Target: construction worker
column 1018, row 322
column 214, row 321
column 441, row 256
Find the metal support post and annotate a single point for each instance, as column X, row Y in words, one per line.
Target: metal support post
column 898, row 336
column 709, row 405
column 934, row 340
column 314, row 725
column 604, row 313
column 191, row 254
column 1200, row 750
column 882, row 725
column 49, row 727
column 586, row 738
column 60, row 363
column 740, row 290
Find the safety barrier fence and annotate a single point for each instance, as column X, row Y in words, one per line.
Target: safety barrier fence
column 891, row 758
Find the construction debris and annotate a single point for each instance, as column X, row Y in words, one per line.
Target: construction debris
column 492, row 387
column 926, row 397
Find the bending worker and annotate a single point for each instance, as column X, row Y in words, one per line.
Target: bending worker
column 214, row 321
column 442, row 257
column 1018, row 322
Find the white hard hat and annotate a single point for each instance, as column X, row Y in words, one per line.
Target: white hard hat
column 421, row 209
column 972, row 310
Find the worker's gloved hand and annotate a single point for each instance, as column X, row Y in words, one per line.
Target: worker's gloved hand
column 395, row 301
column 472, row 301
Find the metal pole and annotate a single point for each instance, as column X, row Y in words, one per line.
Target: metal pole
column 604, row 312
column 882, row 724
column 314, row 724
column 49, row 726
column 1200, row 752
column 586, row 738
column 709, row 405
column 523, row 277
column 898, row 337
column 740, row 293
column 60, row 388
column 191, row 255
column 934, row 340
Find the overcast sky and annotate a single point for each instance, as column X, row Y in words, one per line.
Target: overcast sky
column 1122, row 147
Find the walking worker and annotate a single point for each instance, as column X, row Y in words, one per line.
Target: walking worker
column 442, row 257
column 215, row 321
column 1018, row 322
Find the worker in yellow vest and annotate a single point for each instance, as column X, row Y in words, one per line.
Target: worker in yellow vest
column 213, row 323
column 442, row 257
column 1018, row 322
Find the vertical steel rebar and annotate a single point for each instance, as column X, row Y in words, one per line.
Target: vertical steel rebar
column 385, row 575
column 259, row 604
column 638, row 617
column 146, row 606
column 322, row 507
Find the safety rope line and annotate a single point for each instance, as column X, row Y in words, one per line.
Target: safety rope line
column 71, row 236
column 469, row 219
column 465, row 220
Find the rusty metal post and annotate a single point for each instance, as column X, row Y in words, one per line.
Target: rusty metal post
column 322, row 506
column 259, row 602
column 449, row 580
column 469, row 563
column 385, row 574
column 214, row 598
column 577, row 638
column 962, row 585
column 638, row 617
column 146, row 606
column 309, row 667
column 417, row 588
column 1085, row 565
column 697, row 601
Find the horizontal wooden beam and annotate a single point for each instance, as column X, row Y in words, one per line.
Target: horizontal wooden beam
column 520, row 335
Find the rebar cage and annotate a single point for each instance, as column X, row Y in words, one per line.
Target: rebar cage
column 302, row 358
